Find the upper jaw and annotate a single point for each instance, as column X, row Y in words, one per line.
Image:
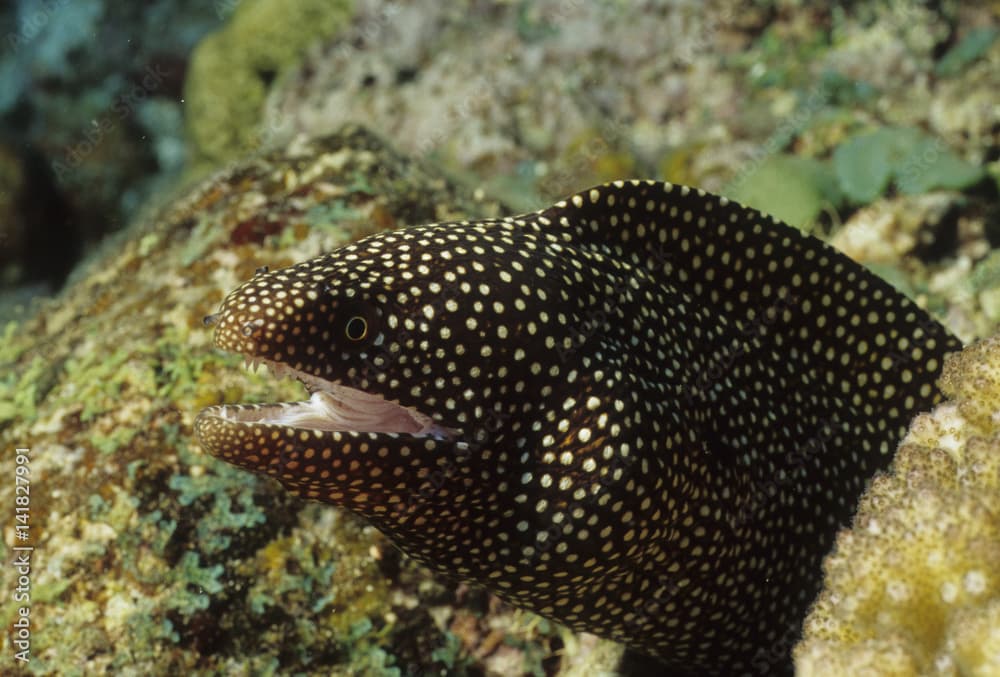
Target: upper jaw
column 336, row 408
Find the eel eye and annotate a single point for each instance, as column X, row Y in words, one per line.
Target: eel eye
column 356, row 328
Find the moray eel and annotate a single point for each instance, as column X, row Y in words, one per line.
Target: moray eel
column 644, row 411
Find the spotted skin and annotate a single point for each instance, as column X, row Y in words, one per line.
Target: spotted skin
column 653, row 408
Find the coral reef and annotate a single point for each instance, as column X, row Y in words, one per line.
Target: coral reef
column 913, row 587
column 232, row 69
column 211, row 570
column 488, row 94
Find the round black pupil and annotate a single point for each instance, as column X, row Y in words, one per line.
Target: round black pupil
column 356, row 328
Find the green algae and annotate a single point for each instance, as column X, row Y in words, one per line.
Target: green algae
column 970, row 48
column 796, row 190
column 227, row 518
column 8, row 353
column 109, row 443
column 985, row 282
column 20, row 392
column 777, row 59
column 866, row 163
column 986, row 274
column 231, row 70
column 194, row 584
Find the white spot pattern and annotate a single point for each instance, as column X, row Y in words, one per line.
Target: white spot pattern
column 667, row 403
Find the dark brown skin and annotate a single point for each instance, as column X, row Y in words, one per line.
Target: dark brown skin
column 643, row 412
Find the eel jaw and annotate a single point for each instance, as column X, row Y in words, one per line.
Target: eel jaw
column 332, row 407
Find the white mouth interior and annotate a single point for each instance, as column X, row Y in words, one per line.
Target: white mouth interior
column 338, row 408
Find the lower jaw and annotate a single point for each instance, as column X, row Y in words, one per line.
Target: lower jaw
column 336, row 408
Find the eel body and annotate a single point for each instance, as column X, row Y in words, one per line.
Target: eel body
column 643, row 412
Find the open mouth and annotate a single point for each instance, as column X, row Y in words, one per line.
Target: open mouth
column 335, row 408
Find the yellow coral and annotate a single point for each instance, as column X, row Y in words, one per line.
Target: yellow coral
column 232, row 68
column 914, row 587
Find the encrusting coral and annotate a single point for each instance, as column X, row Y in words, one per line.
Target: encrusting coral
column 914, row 587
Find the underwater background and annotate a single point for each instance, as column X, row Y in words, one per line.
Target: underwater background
column 154, row 155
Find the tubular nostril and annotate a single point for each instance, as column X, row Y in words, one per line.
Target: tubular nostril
column 260, row 271
column 209, row 320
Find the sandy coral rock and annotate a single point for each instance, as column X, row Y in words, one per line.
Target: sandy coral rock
column 886, row 231
column 913, row 588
